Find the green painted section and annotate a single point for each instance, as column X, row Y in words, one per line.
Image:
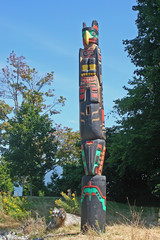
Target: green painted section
column 93, row 34
column 98, row 153
column 91, row 190
column 84, row 161
column 83, row 34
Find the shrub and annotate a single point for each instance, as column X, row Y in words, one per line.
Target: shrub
column 14, row 206
column 70, row 203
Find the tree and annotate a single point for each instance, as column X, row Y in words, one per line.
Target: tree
column 70, row 179
column 70, row 158
column 32, row 148
column 19, row 82
column 69, row 145
column 28, row 135
column 6, row 184
column 5, row 109
column 123, row 179
column 135, row 148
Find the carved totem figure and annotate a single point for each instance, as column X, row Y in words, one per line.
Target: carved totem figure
column 92, row 129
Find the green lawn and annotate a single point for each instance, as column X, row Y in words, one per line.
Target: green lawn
column 42, row 205
column 116, row 212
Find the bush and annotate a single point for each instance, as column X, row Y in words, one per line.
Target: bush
column 70, row 203
column 14, row 206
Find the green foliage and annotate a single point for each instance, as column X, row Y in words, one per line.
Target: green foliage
column 69, row 145
column 134, row 151
column 40, row 193
column 70, row 178
column 28, row 134
column 6, row 184
column 70, row 203
column 31, row 143
column 69, row 157
column 14, row 206
column 38, row 185
column 5, row 109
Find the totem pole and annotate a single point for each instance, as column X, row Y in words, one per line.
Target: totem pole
column 92, row 130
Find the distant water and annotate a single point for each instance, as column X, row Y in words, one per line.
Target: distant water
column 18, row 190
column 58, row 169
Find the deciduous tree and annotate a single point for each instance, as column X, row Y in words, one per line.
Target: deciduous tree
column 6, row 184
column 19, row 82
column 28, row 135
column 69, row 157
column 32, row 149
column 69, row 145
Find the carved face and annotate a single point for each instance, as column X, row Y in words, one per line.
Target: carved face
column 90, row 34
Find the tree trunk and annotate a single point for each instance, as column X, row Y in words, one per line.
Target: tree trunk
column 24, row 179
column 31, row 187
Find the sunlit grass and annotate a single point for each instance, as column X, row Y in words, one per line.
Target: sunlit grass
column 114, row 232
column 123, row 222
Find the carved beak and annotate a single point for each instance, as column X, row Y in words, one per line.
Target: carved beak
column 87, row 37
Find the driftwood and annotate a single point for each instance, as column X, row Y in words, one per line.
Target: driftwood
column 59, row 218
column 72, row 220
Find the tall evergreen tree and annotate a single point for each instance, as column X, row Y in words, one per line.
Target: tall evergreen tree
column 135, row 147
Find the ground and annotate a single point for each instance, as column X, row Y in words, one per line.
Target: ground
column 123, row 222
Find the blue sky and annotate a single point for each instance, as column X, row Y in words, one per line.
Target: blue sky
column 48, row 34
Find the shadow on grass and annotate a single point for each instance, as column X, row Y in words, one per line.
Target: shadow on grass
column 116, row 213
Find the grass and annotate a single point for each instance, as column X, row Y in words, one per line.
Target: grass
column 114, row 232
column 42, row 206
column 124, row 222
column 7, row 221
column 124, row 213
column 116, row 212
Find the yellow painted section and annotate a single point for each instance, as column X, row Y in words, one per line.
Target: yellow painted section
column 87, row 74
column 87, row 37
column 85, row 67
column 92, row 66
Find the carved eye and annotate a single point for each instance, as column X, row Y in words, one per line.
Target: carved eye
column 93, row 33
